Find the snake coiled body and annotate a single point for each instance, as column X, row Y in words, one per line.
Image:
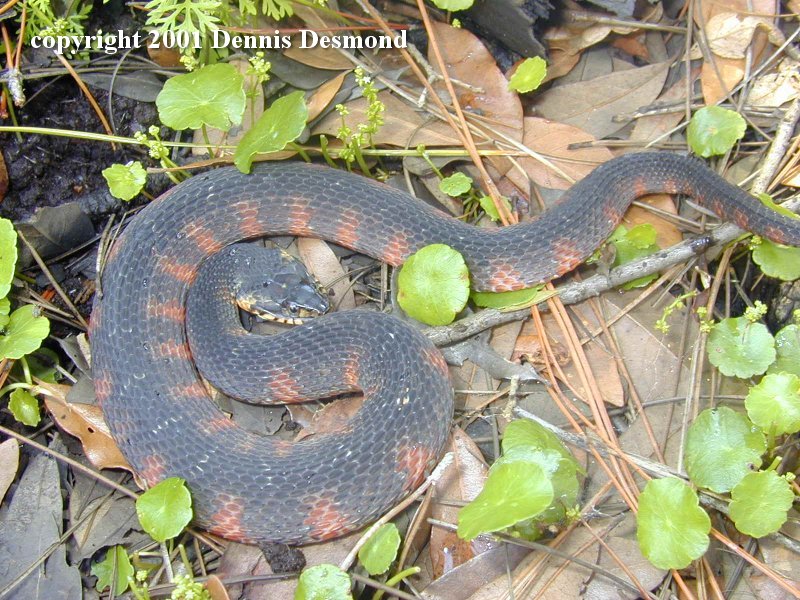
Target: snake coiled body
column 252, row 489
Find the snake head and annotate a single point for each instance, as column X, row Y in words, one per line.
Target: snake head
column 286, row 292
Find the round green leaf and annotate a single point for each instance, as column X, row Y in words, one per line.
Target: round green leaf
column 488, row 206
column 632, row 244
column 453, row 5
column 528, row 76
column 125, row 181
column 714, row 130
column 24, row 332
column 8, row 255
column 323, row 582
column 165, row 509
column 456, row 184
column 212, row 95
column 281, row 123
column 116, row 565
column 380, row 550
column 514, row 491
column 525, row 433
column 433, row 285
column 672, row 529
column 722, row 446
column 787, row 348
column 740, row 348
column 774, row 404
column 24, row 407
column 776, row 260
column 760, row 503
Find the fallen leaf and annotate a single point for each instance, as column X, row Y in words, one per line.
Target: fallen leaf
column 86, row 422
column 461, row 481
column 651, row 127
column 468, row 60
column 730, row 33
column 317, row 57
column 552, row 141
column 333, row 417
column 323, row 96
column 592, row 105
column 719, row 75
column 324, row 265
column 667, row 233
column 9, row 462
column 777, row 88
column 216, row 588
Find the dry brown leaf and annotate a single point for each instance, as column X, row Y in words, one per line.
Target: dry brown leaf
column 405, row 128
column 592, row 105
column 334, row 416
column 633, row 44
column 730, row 33
column 216, row 588
column 720, row 75
column 461, row 481
column 323, row 95
column 323, row 264
column 602, row 364
column 86, row 422
column 775, row 89
column 468, row 60
column 317, row 57
column 551, row 140
column 649, row 128
column 667, row 233
column 164, row 57
column 9, row 461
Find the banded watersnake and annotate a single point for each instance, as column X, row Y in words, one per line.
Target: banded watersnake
column 252, row 489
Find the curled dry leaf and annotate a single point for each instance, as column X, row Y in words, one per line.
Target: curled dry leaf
column 721, row 74
column 9, row 461
column 730, row 33
column 462, row 480
column 323, row 264
column 775, row 89
column 317, row 57
column 86, row 422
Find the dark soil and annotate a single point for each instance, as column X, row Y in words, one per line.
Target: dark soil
column 50, row 170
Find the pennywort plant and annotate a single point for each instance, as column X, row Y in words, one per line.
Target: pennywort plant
column 21, row 333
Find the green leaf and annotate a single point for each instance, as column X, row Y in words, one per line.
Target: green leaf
column 24, row 407
column 24, row 332
column 116, row 565
column 632, row 244
column 488, row 206
column 380, row 550
column 212, row 95
column 722, row 446
column 760, row 503
column 456, row 184
column 714, row 130
column 43, row 364
column 323, row 582
column 513, row 492
column 433, row 285
column 281, row 123
column 8, row 256
column 511, row 300
column 774, row 404
column 672, row 529
column 453, row 5
column 740, row 348
column 125, row 181
column 528, row 76
column 777, row 260
column 165, row 509
column 787, row 348
column 526, row 433
column 767, row 201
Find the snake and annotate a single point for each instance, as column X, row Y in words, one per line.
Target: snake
column 255, row 489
